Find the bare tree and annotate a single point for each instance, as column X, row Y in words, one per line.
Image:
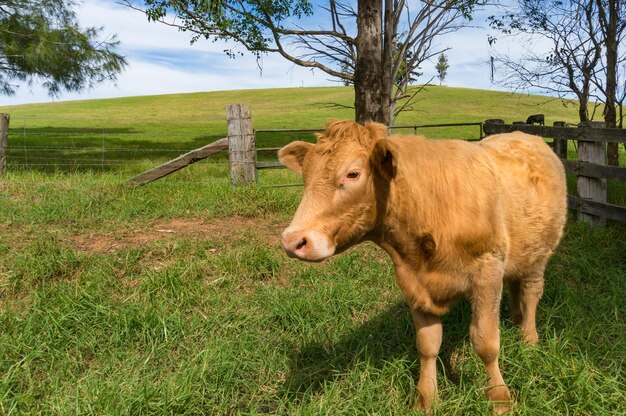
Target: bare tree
column 367, row 46
column 611, row 16
column 581, row 53
column 568, row 59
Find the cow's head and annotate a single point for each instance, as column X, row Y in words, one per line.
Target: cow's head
column 343, row 173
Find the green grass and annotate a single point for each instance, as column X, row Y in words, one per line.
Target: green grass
column 175, row 298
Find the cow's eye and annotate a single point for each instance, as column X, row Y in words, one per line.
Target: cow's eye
column 352, row 175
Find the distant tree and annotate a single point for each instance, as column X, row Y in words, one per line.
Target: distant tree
column 442, row 68
column 407, row 75
column 611, row 16
column 41, row 41
column 363, row 43
column 585, row 53
column 567, row 65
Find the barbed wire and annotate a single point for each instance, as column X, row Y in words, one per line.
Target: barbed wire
column 108, row 149
column 100, row 161
column 198, row 118
column 138, row 135
column 160, row 182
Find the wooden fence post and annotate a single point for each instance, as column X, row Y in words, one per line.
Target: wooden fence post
column 241, row 145
column 560, row 145
column 593, row 189
column 4, row 134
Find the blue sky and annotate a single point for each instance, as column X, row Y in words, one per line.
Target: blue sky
column 162, row 61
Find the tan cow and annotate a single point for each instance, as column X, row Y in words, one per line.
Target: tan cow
column 457, row 219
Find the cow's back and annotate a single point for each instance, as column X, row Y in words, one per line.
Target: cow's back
column 534, row 191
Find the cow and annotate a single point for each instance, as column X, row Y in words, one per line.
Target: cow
column 536, row 118
column 458, row 219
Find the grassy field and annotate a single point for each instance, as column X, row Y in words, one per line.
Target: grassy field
column 175, row 298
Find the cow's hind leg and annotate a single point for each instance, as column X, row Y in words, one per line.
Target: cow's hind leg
column 530, row 293
column 485, row 333
column 428, row 339
column 514, row 301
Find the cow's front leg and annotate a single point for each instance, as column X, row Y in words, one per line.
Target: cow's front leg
column 428, row 339
column 485, row 333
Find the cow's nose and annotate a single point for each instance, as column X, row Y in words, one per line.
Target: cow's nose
column 306, row 245
column 294, row 244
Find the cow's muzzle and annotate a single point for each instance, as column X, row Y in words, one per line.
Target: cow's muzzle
column 307, row 245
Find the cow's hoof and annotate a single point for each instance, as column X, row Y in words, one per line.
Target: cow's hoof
column 423, row 403
column 421, row 406
column 530, row 337
column 501, row 399
column 502, row 409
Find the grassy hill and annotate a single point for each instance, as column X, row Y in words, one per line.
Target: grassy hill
column 176, row 298
column 281, row 108
column 130, row 134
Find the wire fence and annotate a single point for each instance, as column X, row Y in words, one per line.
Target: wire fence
column 128, row 146
column 53, row 145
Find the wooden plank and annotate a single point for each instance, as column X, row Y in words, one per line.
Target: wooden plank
column 594, row 170
column 284, row 185
column 590, row 188
column 417, row 126
column 560, row 145
column 269, row 165
column 614, row 212
column 179, row 163
column 241, row 144
column 4, row 135
column 563, row 133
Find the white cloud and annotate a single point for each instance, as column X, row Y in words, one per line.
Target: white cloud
column 162, row 61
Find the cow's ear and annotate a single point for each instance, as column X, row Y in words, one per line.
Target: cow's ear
column 385, row 158
column 377, row 131
column 293, row 154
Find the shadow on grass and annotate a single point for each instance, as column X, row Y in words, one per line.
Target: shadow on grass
column 389, row 335
column 386, row 337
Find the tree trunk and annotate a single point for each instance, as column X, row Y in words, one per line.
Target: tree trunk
column 610, row 114
column 582, row 109
column 389, row 50
column 582, row 93
column 368, row 72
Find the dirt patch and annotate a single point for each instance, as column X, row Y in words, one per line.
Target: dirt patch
column 225, row 229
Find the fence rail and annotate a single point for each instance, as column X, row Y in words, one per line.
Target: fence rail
column 421, row 126
column 587, row 134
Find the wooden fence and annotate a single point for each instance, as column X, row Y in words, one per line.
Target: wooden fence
column 590, row 168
